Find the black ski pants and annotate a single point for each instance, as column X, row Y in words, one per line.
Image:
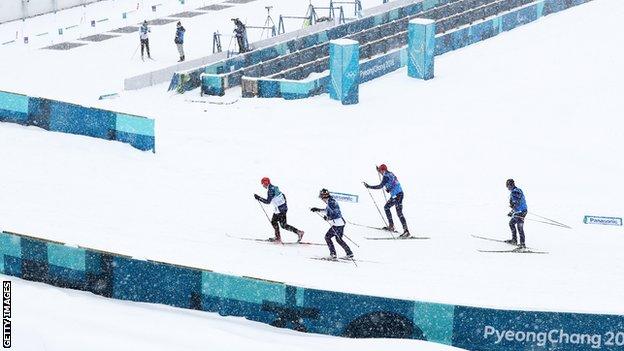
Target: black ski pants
column 145, row 45
column 398, row 202
column 279, row 219
column 517, row 221
column 337, row 232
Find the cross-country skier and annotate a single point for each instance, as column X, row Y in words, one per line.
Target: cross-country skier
column 519, row 210
column 333, row 217
column 179, row 40
column 144, row 36
column 392, row 185
column 276, row 198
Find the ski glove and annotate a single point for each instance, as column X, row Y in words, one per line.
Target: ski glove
column 256, row 197
column 315, row 209
column 366, row 185
column 326, row 218
column 510, row 214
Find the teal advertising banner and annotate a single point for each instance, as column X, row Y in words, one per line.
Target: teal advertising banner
column 304, row 309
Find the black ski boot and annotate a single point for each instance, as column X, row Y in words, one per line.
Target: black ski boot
column 512, row 241
column 276, row 240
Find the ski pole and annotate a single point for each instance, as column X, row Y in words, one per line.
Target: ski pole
column 267, row 216
column 549, row 223
column 378, row 210
column 135, row 51
column 553, row 221
column 263, row 210
column 343, row 234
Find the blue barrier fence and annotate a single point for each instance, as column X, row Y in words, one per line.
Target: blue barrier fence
column 69, row 118
column 386, row 63
column 304, row 309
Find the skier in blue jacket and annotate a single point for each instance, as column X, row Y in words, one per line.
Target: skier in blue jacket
column 392, row 185
column 276, row 198
column 144, row 31
column 179, row 40
column 333, row 216
column 519, row 210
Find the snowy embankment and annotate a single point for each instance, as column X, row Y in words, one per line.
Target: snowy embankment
column 528, row 104
column 53, row 319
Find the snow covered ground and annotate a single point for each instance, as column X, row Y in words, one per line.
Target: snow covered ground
column 533, row 104
column 77, row 321
column 84, row 73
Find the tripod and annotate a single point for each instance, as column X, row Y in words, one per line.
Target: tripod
column 269, row 25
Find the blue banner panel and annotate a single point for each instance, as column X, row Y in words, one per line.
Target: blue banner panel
column 13, row 108
column 421, row 48
column 498, row 330
column 212, row 84
column 75, row 119
column 344, row 70
column 147, row 281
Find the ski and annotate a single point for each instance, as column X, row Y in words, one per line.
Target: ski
column 516, row 250
column 492, row 239
column 341, row 259
column 329, row 259
column 371, row 227
column 399, row 238
column 273, row 242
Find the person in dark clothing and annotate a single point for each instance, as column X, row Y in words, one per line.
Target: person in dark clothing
column 334, row 217
column 392, row 185
column 241, row 35
column 276, row 198
column 144, row 36
column 179, row 40
column 519, row 210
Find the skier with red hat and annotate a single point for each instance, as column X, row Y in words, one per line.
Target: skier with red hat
column 392, row 185
column 276, row 198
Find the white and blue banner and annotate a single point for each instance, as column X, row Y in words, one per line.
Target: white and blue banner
column 603, row 220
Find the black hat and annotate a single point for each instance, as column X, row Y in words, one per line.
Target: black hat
column 324, row 194
column 510, row 183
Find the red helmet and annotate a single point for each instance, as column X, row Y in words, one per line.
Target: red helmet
column 382, row 167
column 265, row 181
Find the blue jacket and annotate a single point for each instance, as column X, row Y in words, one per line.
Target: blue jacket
column 179, row 36
column 272, row 193
column 517, row 201
column 143, row 31
column 391, row 183
column 332, row 210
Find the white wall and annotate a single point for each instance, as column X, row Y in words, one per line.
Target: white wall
column 16, row 9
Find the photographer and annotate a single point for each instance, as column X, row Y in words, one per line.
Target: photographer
column 241, row 35
column 179, row 40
